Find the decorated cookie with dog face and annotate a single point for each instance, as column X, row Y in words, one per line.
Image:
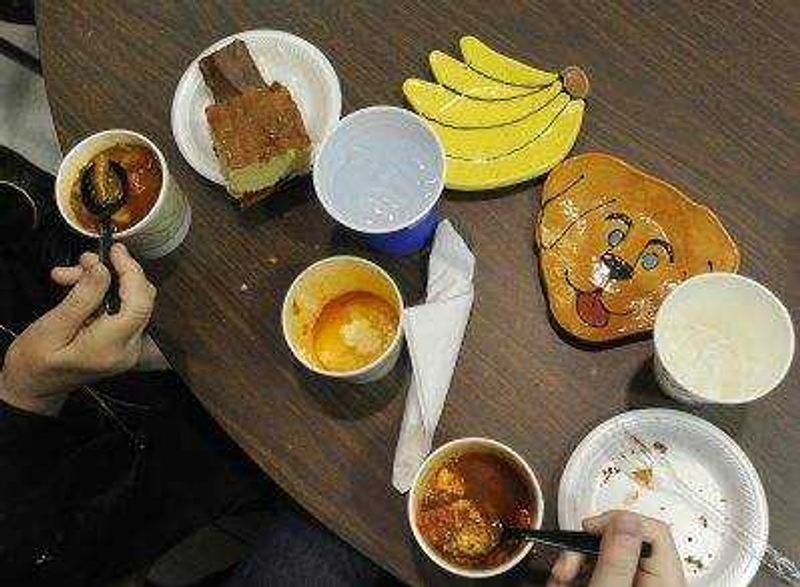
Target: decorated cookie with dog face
column 613, row 241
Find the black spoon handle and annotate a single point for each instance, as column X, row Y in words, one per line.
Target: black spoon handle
column 111, row 299
column 568, row 540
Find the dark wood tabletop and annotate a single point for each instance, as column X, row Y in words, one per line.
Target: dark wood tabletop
column 703, row 95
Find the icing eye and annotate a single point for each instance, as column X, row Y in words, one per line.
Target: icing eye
column 615, row 237
column 649, row 261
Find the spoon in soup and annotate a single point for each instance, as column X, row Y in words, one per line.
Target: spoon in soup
column 103, row 191
column 575, row 541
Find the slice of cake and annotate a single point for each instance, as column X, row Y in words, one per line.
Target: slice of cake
column 230, row 71
column 259, row 139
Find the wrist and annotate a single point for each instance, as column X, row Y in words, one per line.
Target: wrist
column 17, row 397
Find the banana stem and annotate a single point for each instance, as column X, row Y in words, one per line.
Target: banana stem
column 575, row 81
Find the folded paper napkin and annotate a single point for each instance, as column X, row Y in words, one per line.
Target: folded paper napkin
column 434, row 331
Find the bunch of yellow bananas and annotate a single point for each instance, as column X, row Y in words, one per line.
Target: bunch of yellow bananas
column 501, row 121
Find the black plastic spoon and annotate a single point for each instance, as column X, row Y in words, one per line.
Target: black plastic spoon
column 575, row 541
column 103, row 191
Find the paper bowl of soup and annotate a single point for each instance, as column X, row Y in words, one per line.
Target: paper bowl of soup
column 155, row 216
column 342, row 319
column 460, row 493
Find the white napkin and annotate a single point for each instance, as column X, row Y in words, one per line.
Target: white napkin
column 434, row 331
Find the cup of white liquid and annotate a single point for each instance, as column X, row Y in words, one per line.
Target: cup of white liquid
column 721, row 338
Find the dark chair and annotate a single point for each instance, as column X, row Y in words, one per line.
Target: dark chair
column 18, row 12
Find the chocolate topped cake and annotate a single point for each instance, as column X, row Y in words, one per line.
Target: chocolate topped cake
column 257, row 130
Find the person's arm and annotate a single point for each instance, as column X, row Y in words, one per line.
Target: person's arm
column 73, row 344
column 70, row 346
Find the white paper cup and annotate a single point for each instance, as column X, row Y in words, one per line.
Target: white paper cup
column 721, row 338
column 442, row 454
column 165, row 225
column 322, row 282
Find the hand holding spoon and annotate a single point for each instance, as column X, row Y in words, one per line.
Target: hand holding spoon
column 103, row 190
column 572, row 540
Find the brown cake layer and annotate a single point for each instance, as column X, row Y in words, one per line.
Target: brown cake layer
column 230, row 71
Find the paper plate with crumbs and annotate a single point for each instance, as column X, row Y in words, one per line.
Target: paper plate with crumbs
column 680, row 469
column 304, row 75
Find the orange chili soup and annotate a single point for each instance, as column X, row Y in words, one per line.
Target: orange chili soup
column 463, row 497
column 144, row 177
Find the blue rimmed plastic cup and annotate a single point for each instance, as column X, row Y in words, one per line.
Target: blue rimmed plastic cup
column 380, row 173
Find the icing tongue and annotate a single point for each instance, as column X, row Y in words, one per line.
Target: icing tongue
column 591, row 309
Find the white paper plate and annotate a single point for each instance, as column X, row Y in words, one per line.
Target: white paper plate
column 705, row 458
column 281, row 57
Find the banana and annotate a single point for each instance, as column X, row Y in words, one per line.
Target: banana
column 451, row 109
column 537, row 157
column 500, row 121
column 490, row 63
column 486, row 143
column 459, row 77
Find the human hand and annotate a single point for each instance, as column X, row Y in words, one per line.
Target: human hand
column 619, row 564
column 74, row 344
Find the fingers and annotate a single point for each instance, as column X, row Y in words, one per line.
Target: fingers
column 596, row 524
column 81, row 302
column 137, row 294
column 68, row 276
column 618, row 562
column 566, row 569
column 88, row 260
column 664, row 563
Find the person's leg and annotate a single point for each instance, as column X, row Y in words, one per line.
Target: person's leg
column 295, row 549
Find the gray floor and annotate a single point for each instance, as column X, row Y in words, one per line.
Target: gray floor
column 25, row 121
column 26, row 126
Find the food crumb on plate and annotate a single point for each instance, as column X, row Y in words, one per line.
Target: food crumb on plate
column 609, row 472
column 631, row 499
column 695, row 564
column 644, row 478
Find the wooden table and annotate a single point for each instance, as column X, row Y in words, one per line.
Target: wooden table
column 702, row 94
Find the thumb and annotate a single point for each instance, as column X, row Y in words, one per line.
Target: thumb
column 81, row 302
column 619, row 552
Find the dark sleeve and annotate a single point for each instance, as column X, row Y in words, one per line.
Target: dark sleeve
column 30, row 446
column 47, row 535
column 64, row 496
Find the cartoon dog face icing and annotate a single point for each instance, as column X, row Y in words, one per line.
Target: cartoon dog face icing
column 613, row 241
